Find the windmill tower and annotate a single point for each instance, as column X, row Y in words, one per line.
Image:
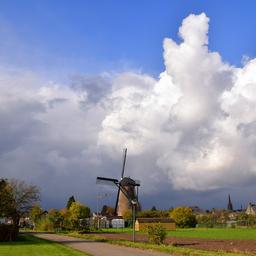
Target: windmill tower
column 127, row 194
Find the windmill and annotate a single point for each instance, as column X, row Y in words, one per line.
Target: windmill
column 127, row 193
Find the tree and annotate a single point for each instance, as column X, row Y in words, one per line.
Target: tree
column 35, row 214
column 153, row 208
column 78, row 212
column 71, row 200
column 183, row 217
column 205, row 220
column 107, row 211
column 6, row 202
column 65, row 219
column 55, row 218
column 23, row 198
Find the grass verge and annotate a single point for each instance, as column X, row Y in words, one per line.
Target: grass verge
column 28, row 245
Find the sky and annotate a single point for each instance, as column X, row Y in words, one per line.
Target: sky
column 173, row 81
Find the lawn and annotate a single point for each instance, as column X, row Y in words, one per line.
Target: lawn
column 216, row 233
column 27, row 245
column 209, row 233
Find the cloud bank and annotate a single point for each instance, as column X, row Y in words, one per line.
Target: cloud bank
column 195, row 125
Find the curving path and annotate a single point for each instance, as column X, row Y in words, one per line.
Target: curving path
column 97, row 248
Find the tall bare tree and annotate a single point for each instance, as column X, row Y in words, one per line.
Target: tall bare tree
column 19, row 197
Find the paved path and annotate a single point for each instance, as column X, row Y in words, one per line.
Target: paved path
column 97, row 248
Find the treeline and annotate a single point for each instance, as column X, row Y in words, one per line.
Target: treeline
column 224, row 218
column 183, row 216
column 73, row 217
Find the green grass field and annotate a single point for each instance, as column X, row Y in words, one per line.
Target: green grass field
column 210, row 233
column 27, row 245
column 216, row 233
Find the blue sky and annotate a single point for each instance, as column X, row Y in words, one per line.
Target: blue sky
column 65, row 37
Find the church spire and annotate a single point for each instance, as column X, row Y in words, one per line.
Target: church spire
column 230, row 205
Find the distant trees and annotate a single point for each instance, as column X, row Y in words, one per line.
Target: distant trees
column 78, row 213
column 153, row 214
column 184, row 217
column 70, row 201
column 107, row 211
column 74, row 218
column 153, row 208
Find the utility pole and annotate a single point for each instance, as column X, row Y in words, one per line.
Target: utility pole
column 134, row 203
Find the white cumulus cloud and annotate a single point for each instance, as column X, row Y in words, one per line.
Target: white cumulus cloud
column 194, row 126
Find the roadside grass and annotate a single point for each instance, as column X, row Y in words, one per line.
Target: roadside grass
column 172, row 249
column 28, row 245
column 115, row 230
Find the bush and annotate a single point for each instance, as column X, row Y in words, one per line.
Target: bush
column 184, row 217
column 156, row 233
column 45, row 224
column 8, row 233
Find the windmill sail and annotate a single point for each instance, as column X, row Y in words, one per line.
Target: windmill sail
column 106, row 181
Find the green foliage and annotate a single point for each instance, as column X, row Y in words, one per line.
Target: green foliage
column 35, row 213
column 153, row 214
column 17, row 198
column 56, row 218
column 107, row 211
column 65, row 219
column 78, row 212
column 183, row 217
column 156, row 233
column 45, row 224
column 127, row 215
column 7, row 201
column 71, row 200
column 205, row 221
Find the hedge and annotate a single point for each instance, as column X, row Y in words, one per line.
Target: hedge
column 8, row 233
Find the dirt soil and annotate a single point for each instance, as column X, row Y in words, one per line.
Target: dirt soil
column 244, row 246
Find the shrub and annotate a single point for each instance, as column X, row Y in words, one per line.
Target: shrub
column 184, row 217
column 8, row 233
column 45, row 224
column 156, row 233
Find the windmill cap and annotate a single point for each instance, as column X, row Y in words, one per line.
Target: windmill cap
column 126, row 181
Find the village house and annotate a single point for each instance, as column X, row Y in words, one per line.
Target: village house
column 251, row 209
